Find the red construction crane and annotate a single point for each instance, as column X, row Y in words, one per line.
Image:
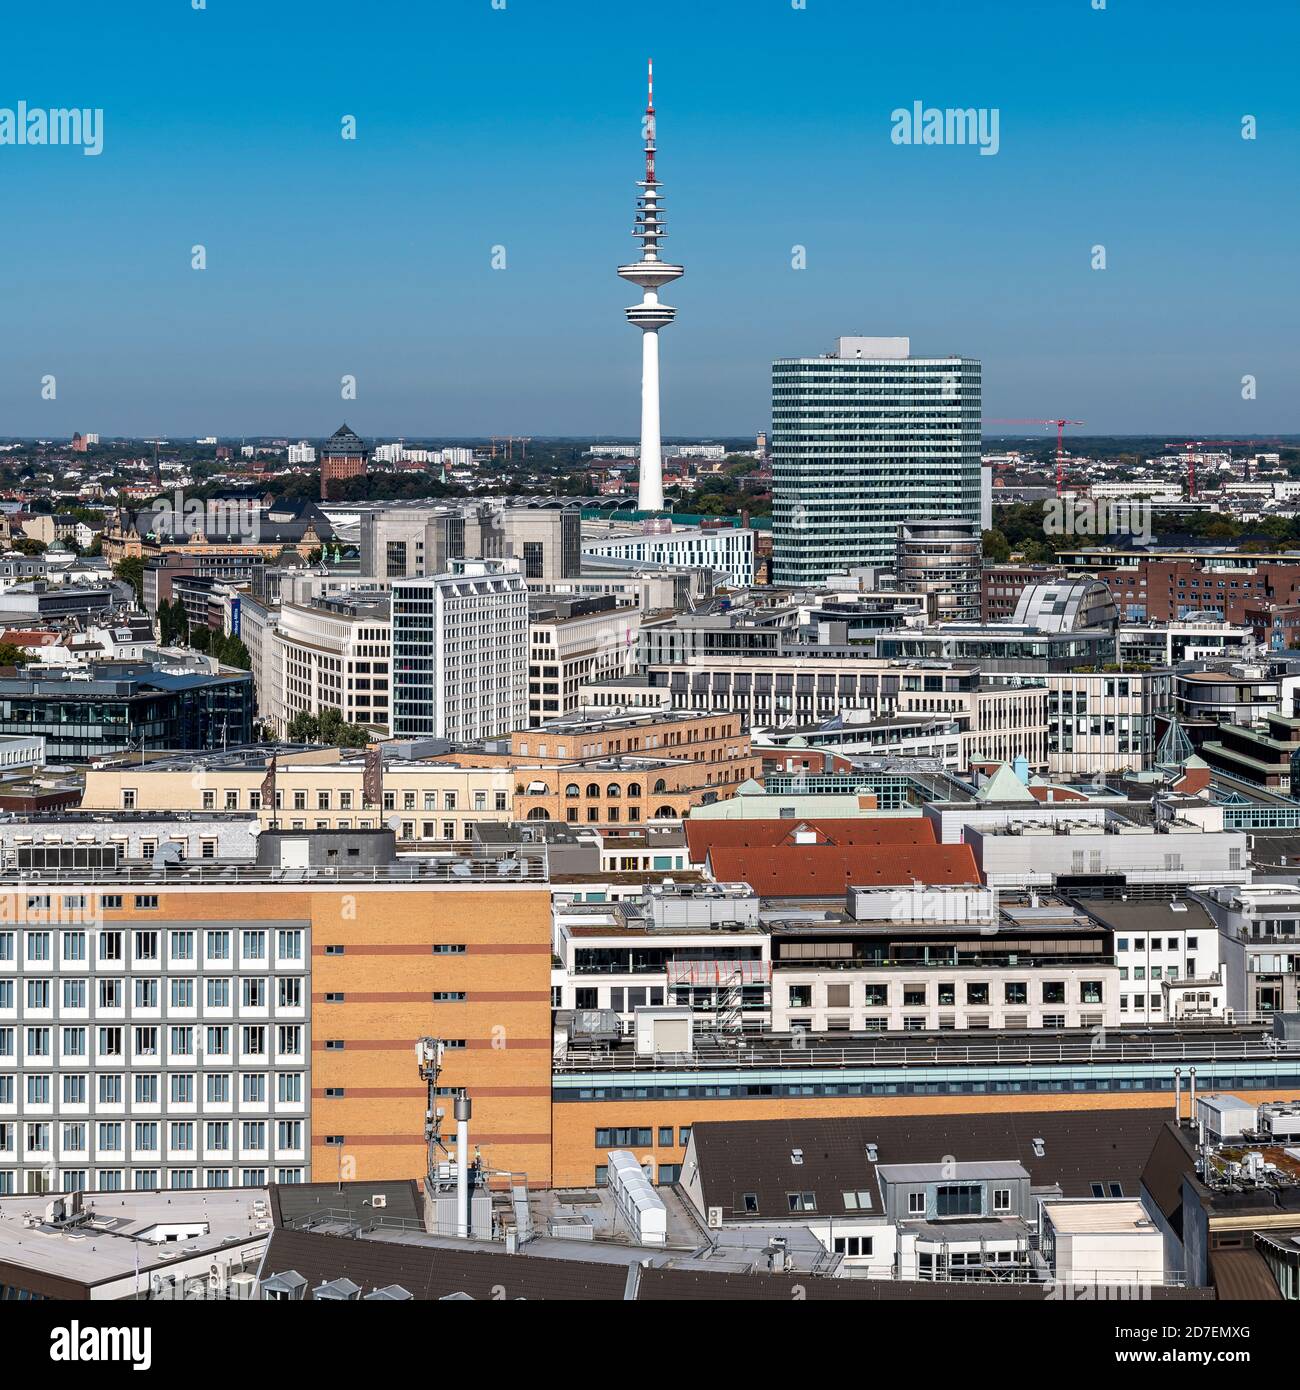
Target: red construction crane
column 1060, row 446
column 1192, row 445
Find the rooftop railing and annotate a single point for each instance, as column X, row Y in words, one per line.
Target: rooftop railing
column 522, row 864
column 787, row 1054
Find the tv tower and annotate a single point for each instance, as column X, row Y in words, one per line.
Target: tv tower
column 650, row 316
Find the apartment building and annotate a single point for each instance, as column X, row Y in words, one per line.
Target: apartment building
column 1259, row 930
column 572, row 644
column 1168, row 957
column 234, row 1024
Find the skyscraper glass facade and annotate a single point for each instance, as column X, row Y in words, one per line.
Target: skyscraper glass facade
column 863, row 440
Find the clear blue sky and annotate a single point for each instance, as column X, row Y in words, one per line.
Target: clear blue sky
column 520, row 127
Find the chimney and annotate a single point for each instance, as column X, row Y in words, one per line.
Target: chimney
column 462, row 1165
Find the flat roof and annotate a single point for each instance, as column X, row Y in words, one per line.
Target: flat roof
column 113, row 1237
column 1109, row 1217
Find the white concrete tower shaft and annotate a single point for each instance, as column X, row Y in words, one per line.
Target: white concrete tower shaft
column 650, row 315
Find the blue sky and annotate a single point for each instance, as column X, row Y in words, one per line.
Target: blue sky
column 520, row 127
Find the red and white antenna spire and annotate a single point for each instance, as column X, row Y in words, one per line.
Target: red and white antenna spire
column 650, row 121
column 651, row 274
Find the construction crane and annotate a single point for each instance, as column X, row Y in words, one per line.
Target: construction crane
column 1192, row 445
column 510, row 440
column 1060, row 445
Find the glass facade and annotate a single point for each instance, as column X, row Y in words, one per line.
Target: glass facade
column 863, row 444
column 93, row 718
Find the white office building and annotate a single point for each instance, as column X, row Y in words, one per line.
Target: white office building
column 460, row 652
column 138, row 1054
column 864, row 439
column 727, row 550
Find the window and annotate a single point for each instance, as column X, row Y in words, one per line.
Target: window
column 1001, row 1199
column 959, row 1199
column 916, row 1203
column 802, row 1201
column 146, row 902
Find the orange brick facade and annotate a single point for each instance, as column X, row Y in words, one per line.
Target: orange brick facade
column 387, row 976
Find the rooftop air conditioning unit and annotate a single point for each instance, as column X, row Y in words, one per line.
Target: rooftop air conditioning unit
column 379, row 1200
column 715, row 1218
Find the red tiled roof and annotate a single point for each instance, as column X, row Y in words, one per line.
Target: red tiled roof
column 806, row 871
column 704, row 835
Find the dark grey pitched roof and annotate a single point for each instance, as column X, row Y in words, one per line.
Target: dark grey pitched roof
column 431, row 1272
column 1172, row 1158
column 343, row 441
column 1080, row 1147
column 295, row 1203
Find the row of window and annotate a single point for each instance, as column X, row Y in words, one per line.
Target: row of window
column 150, row 1179
column 213, row 1041
column 181, row 991
column 110, row 1136
column 641, row 1137
column 878, row 996
column 147, row 945
column 145, row 1088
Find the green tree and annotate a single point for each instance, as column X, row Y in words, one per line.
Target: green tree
column 231, row 651
column 304, row 728
column 335, row 732
column 25, row 545
column 997, row 549
column 1036, row 552
column 201, row 638
column 12, row 655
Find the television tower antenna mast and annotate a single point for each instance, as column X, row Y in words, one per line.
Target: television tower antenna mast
column 650, row 273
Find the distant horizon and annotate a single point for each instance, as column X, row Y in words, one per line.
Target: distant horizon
column 1264, row 440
